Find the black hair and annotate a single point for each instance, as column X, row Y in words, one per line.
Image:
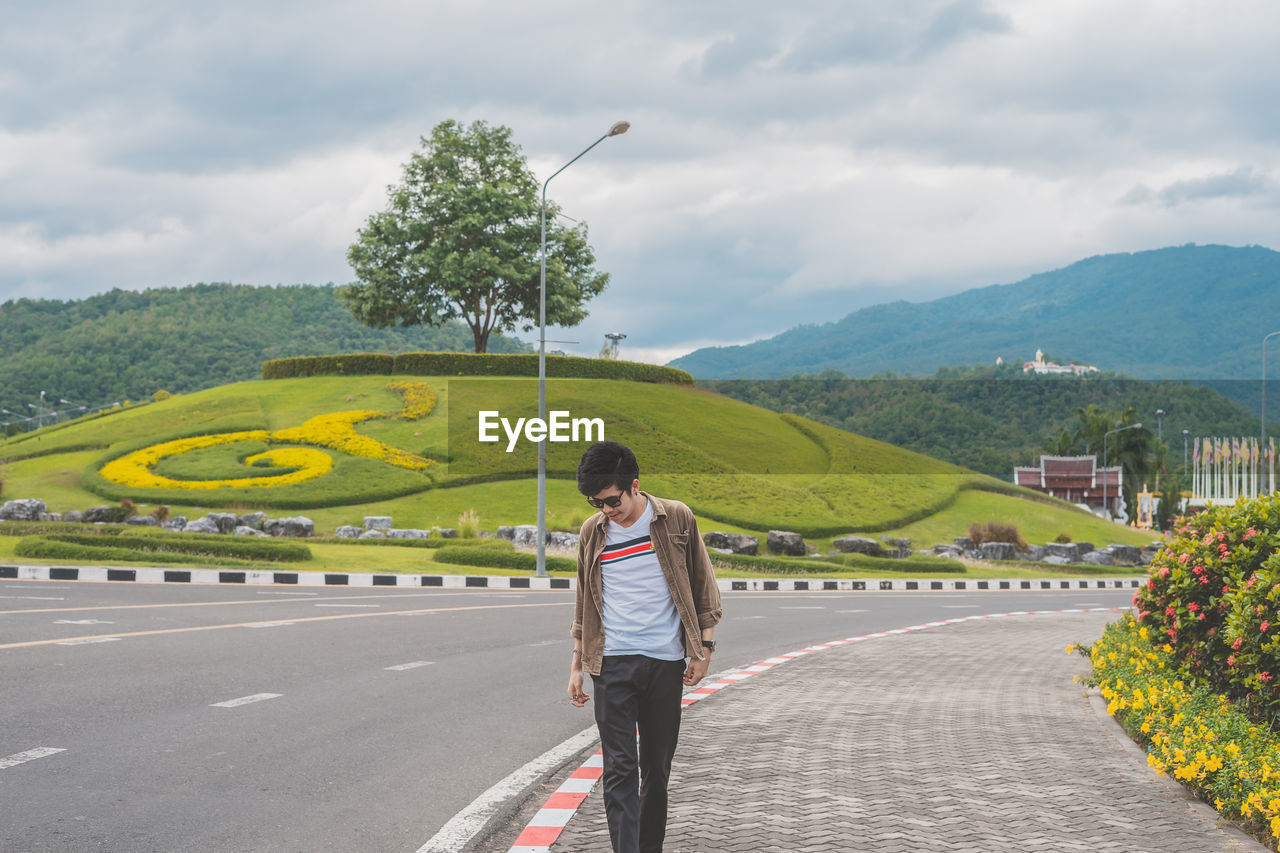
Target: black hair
column 605, row 464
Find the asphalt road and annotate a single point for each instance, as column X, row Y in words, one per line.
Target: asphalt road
column 238, row 718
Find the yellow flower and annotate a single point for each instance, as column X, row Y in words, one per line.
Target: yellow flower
column 337, row 432
column 135, row 468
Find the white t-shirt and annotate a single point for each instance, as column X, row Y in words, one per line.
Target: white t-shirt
column 639, row 616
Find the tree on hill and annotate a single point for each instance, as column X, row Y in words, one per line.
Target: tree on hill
column 460, row 239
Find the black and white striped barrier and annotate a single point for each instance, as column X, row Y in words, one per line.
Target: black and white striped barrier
column 361, row 579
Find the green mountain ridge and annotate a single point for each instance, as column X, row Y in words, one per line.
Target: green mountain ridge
column 129, row 344
column 1186, row 312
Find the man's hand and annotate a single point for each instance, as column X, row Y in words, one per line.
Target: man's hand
column 697, row 671
column 576, row 697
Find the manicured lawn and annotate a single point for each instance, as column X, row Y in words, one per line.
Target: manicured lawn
column 741, row 468
column 1037, row 522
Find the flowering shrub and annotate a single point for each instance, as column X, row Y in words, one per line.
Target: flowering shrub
column 1211, row 595
column 1253, row 635
column 1190, row 731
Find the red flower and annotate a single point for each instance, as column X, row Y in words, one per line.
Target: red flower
column 1182, row 558
column 1238, row 643
column 1231, row 660
column 1265, row 676
column 1264, row 625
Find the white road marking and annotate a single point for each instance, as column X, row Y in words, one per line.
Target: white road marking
column 268, row 624
column 88, row 641
column 852, row 611
column 463, row 826
column 349, row 605
column 401, row 667
column 30, row 755
column 744, row 618
column 544, row 643
column 34, row 597
column 82, row 622
column 799, row 607
column 245, row 700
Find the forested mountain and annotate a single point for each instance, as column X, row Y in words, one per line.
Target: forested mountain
column 991, row 419
column 1189, row 312
column 128, row 345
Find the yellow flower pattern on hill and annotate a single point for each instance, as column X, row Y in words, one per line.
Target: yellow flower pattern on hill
column 334, row 431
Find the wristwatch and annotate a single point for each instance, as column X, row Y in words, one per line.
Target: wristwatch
column 709, row 645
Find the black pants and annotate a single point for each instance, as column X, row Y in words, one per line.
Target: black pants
column 637, row 691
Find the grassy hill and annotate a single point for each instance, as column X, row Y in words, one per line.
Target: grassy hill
column 1186, row 312
column 337, row 448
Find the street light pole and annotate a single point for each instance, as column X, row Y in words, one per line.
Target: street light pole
column 1264, row 386
column 1185, row 433
column 617, row 129
column 1105, row 435
column 1160, row 424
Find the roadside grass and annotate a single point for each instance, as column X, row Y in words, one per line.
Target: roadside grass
column 413, row 557
column 1038, row 523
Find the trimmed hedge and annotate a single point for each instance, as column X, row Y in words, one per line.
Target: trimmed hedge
column 495, row 558
column 47, row 549
column 431, row 542
column 350, row 364
column 41, row 528
column 837, row 563
column 469, row 364
column 926, row 565
column 216, row 545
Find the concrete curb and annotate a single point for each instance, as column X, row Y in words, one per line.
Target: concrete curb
column 367, row 579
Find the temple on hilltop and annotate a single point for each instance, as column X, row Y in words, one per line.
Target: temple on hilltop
column 1042, row 366
column 1078, row 480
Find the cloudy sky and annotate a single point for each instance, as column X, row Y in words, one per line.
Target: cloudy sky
column 787, row 163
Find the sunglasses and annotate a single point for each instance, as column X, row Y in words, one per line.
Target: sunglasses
column 613, row 502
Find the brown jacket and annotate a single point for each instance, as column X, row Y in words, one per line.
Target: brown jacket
column 685, row 565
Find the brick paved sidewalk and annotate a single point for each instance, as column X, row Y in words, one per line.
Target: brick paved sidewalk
column 970, row 737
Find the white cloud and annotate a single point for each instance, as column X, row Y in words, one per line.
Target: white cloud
column 786, row 164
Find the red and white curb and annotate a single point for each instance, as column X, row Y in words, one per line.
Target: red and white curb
column 546, row 826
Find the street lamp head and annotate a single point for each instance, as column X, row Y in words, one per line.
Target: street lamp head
column 619, row 128
column 1137, row 426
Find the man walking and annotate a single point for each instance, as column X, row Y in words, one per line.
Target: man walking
column 646, row 600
